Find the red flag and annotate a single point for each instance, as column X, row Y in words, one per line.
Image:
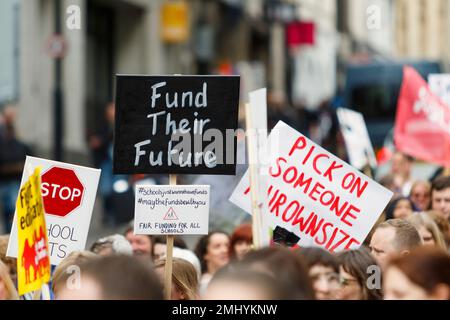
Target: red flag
column 422, row 124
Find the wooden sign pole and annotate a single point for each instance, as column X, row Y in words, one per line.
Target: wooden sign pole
column 446, row 172
column 256, row 209
column 169, row 254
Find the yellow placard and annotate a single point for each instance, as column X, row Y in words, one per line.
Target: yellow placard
column 175, row 21
column 33, row 260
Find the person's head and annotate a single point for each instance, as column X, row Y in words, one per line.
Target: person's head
column 283, row 265
column 7, row 289
column 355, row 267
column 116, row 277
column 399, row 208
column 114, row 244
column 9, row 114
column 392, row 237
column 241, row 241
column 323, row 272
column 388, row 182
column 184, row 278
column 420, row 195
column 423, row 274
column 428, row 230
column 401, row 164
column 213, row 251
column 243, row 284
column 110, row 112
column 190, row 257
column 440, row 196
column 10, row 263
column 68, row 267
column 141, row 243
column 442, row 223
column 160, row 247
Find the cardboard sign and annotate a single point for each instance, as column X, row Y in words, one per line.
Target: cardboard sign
column 257, row 155
column 440, row 86
column 68, row 193
column 314, row 195
column 176, row 124
column 422, row 123
column 171, row 210
column 33, row 264
column 357, row 141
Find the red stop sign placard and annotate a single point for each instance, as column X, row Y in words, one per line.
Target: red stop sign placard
column 62, row 191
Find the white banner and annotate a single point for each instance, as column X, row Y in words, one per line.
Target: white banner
column 171, row 210
column 314, row 195
column 69, row 193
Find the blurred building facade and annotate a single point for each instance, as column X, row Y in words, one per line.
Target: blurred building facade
column 115, row 37
column 225, row 36
column 422, row 29
column 396, row 29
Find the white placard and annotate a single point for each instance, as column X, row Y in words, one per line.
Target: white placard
column 65, row 233
column 171, row 210
column 258, row 114
column 440, row 86
column 356, row 137
column 315, row 195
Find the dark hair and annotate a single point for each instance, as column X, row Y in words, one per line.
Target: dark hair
column 201, row 249
column 123, row 277
column 242, row 233
column 286, row 267
column 426, row 267
column 318, row 256
column 393, row 204
column 406, row 235
column 440, row 183
column 261, row 281
column 130, row 228
column 177, row 241
column 357, row 263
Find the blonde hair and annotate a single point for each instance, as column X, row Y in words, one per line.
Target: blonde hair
column 184, row 277
column 442, row 224
column 7, row 282
column 422, row 219
column 426, row 184
column 74, row 258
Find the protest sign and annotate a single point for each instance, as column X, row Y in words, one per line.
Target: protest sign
column 171, row 210
column 422, row 124
column 33, row 263
column 69, row 193
column 256, row 125
column 314, row 195
column 440, row 86
column 176, row 124
column 359, row 148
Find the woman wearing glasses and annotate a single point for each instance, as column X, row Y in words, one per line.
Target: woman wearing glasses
column 359, row 275
column 323, row 270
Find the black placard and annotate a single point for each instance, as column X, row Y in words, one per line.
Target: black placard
column 202, row 112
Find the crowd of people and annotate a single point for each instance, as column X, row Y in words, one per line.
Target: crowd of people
column 405, row 257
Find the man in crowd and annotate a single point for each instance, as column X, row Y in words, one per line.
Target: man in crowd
column 440, row 196
column 401, row 172
column 393, row 237
column 142, row 244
